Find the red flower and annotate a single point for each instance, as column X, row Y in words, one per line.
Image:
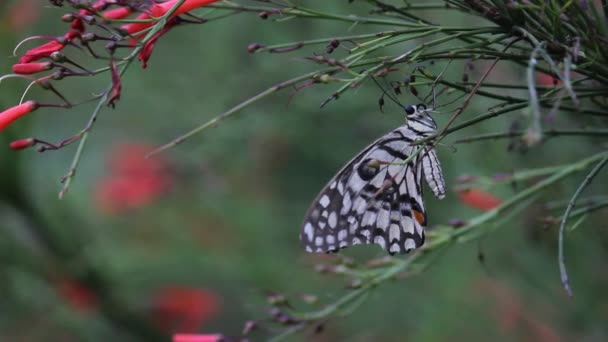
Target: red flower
column 31, row 68
column 134, row 181
column 77, row 295
column 22, row 14
column 44, row 50
column 479, row 199
column 10, row 115
column 78, row 25
column 158, row 10
column 514, row 313
column 22, row 143
column 117, row 13
column 183, row 309
column 147, row 49
column 547, row 80
column 197, row 338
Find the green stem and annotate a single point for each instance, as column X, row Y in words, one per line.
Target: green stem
column 312, row 14
column 561, row 258
column 549, row 133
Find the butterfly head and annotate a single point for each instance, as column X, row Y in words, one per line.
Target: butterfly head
column 420, row 115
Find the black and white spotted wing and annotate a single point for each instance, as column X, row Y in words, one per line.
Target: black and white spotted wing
column 377, row 197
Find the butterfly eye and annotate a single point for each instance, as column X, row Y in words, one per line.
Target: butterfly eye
column 410, row 110
column 421, row 106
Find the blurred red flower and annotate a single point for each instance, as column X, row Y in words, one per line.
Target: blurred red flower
column 183, row 309
column 22, row 14
column 479, row 199
column 134, row 180
column 547, row 79
column 77, row 295
column 515, row 314
column 197, row 338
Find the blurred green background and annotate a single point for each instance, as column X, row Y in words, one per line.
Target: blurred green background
column 222, row 232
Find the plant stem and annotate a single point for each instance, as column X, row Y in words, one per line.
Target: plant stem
column 549, row 133
column 561, row 258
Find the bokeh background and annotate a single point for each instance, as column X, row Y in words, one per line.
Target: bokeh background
column 194, row 240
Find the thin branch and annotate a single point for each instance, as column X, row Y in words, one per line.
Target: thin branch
column 466, row 101
column 549, row 133
column 562, row 263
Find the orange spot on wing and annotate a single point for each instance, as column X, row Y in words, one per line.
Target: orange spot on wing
column 419, row 217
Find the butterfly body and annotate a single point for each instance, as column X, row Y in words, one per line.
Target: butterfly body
column 377, row 197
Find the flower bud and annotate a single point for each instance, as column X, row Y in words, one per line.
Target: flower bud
column 31, row 68
column 44, row 50
column 10, row 115
column 22, row 144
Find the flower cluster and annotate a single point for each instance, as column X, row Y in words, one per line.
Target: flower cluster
column 133, row 181
column 134, row 26
column 181, row 309
column 174, row 309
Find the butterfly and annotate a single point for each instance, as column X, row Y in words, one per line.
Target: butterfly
column 377, row 197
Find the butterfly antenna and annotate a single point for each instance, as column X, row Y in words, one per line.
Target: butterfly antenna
column 437, row 79
column 385, row 92
column 456, row 99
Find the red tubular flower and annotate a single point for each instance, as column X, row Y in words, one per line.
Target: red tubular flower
column 479, row 199
column 99, row 6
column 44, row 50
column 22, row 144
column 146, row 51
column 197, row 338
column 117, row 13
column 183, row 309
column 31, row 68
column 78, row 25
column 158, row 10
column 10, row 115
column 187, row 6
column 71, row 35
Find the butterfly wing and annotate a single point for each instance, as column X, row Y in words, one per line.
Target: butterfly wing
column 375, row 198
column 433, row 173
